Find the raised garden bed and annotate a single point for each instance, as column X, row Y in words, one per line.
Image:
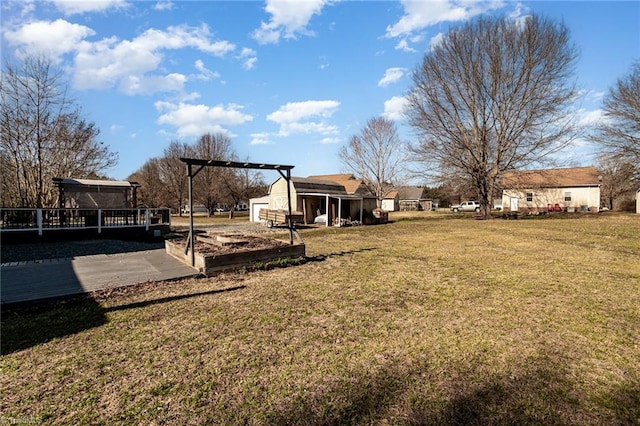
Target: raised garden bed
column 226, row 252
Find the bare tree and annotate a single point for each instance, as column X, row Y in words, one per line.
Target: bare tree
column 43, row 134
column 151, row 192
column 377, row 156
column 493, row 96
column 619, row 134
column 174, row 174
column 619, row 180
column 208, row 185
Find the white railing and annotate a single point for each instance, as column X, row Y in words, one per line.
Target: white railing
column 40, row 220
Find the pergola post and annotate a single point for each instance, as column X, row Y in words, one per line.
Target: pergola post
column 289, row 223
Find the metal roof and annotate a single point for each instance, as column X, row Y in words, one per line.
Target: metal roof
column 94, row 182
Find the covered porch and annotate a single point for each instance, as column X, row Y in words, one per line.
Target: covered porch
column 336, row 207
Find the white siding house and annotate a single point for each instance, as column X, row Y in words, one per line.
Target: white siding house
column 574, row 189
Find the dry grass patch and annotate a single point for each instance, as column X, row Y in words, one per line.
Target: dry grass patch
column 428, row 320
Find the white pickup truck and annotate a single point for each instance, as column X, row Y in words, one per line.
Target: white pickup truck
column 467, row 206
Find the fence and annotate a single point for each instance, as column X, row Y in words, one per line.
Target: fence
column 41, row 220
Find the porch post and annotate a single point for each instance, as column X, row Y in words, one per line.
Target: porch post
column 327, row 209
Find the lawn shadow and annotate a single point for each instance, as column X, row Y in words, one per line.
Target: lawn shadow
column 145, row 303
column 29, row 324
column 540, row 395
column 323, row 257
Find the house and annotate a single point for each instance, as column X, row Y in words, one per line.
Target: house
column 568, row 189
column 338, row 196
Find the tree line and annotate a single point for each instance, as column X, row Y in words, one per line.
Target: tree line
column 494, row 95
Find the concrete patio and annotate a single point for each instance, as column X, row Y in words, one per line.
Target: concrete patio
column 54, row 278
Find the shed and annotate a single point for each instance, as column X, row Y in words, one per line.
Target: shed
column 96, row 194
column 317, row 195
column 412, row 198
column 569, row 189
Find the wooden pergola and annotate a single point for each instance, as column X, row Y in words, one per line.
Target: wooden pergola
column 195, row 165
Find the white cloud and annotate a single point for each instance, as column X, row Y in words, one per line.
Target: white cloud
column 249, row 58
column 134, row 85
column 394, row 107
column 330, row 140
column 164, row 5
column 421, row 14
column 404, row 46
column 288, row 18
column 111, row 62
column 590, row 118
column 195, row 120
column 259, row 139
column 391, row 75
column 71, row 7
column 205, row 73
column 435, row 41
column 295, row 117
column 55, row 38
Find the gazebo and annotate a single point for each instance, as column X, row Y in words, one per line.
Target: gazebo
column 96, row 194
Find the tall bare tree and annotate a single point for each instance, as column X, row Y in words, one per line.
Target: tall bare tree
column 619, row 134
column 208, row 185
column 493, row 96
column 174, row 174
column 43, row 134
column 376, row 155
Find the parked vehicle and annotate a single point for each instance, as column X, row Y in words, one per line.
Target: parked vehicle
column 467, row 206
column 197, row 209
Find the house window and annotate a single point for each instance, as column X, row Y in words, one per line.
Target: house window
column 529, row 196
column 567, row 196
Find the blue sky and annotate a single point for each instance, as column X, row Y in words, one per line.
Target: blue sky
column 289, row 81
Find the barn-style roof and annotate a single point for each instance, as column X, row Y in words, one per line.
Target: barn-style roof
column 351, row 184
column 552, row 178
column 317, row 185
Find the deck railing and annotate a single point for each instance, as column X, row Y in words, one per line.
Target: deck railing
column 40, row 220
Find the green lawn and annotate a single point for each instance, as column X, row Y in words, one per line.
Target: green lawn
column 432, row 319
